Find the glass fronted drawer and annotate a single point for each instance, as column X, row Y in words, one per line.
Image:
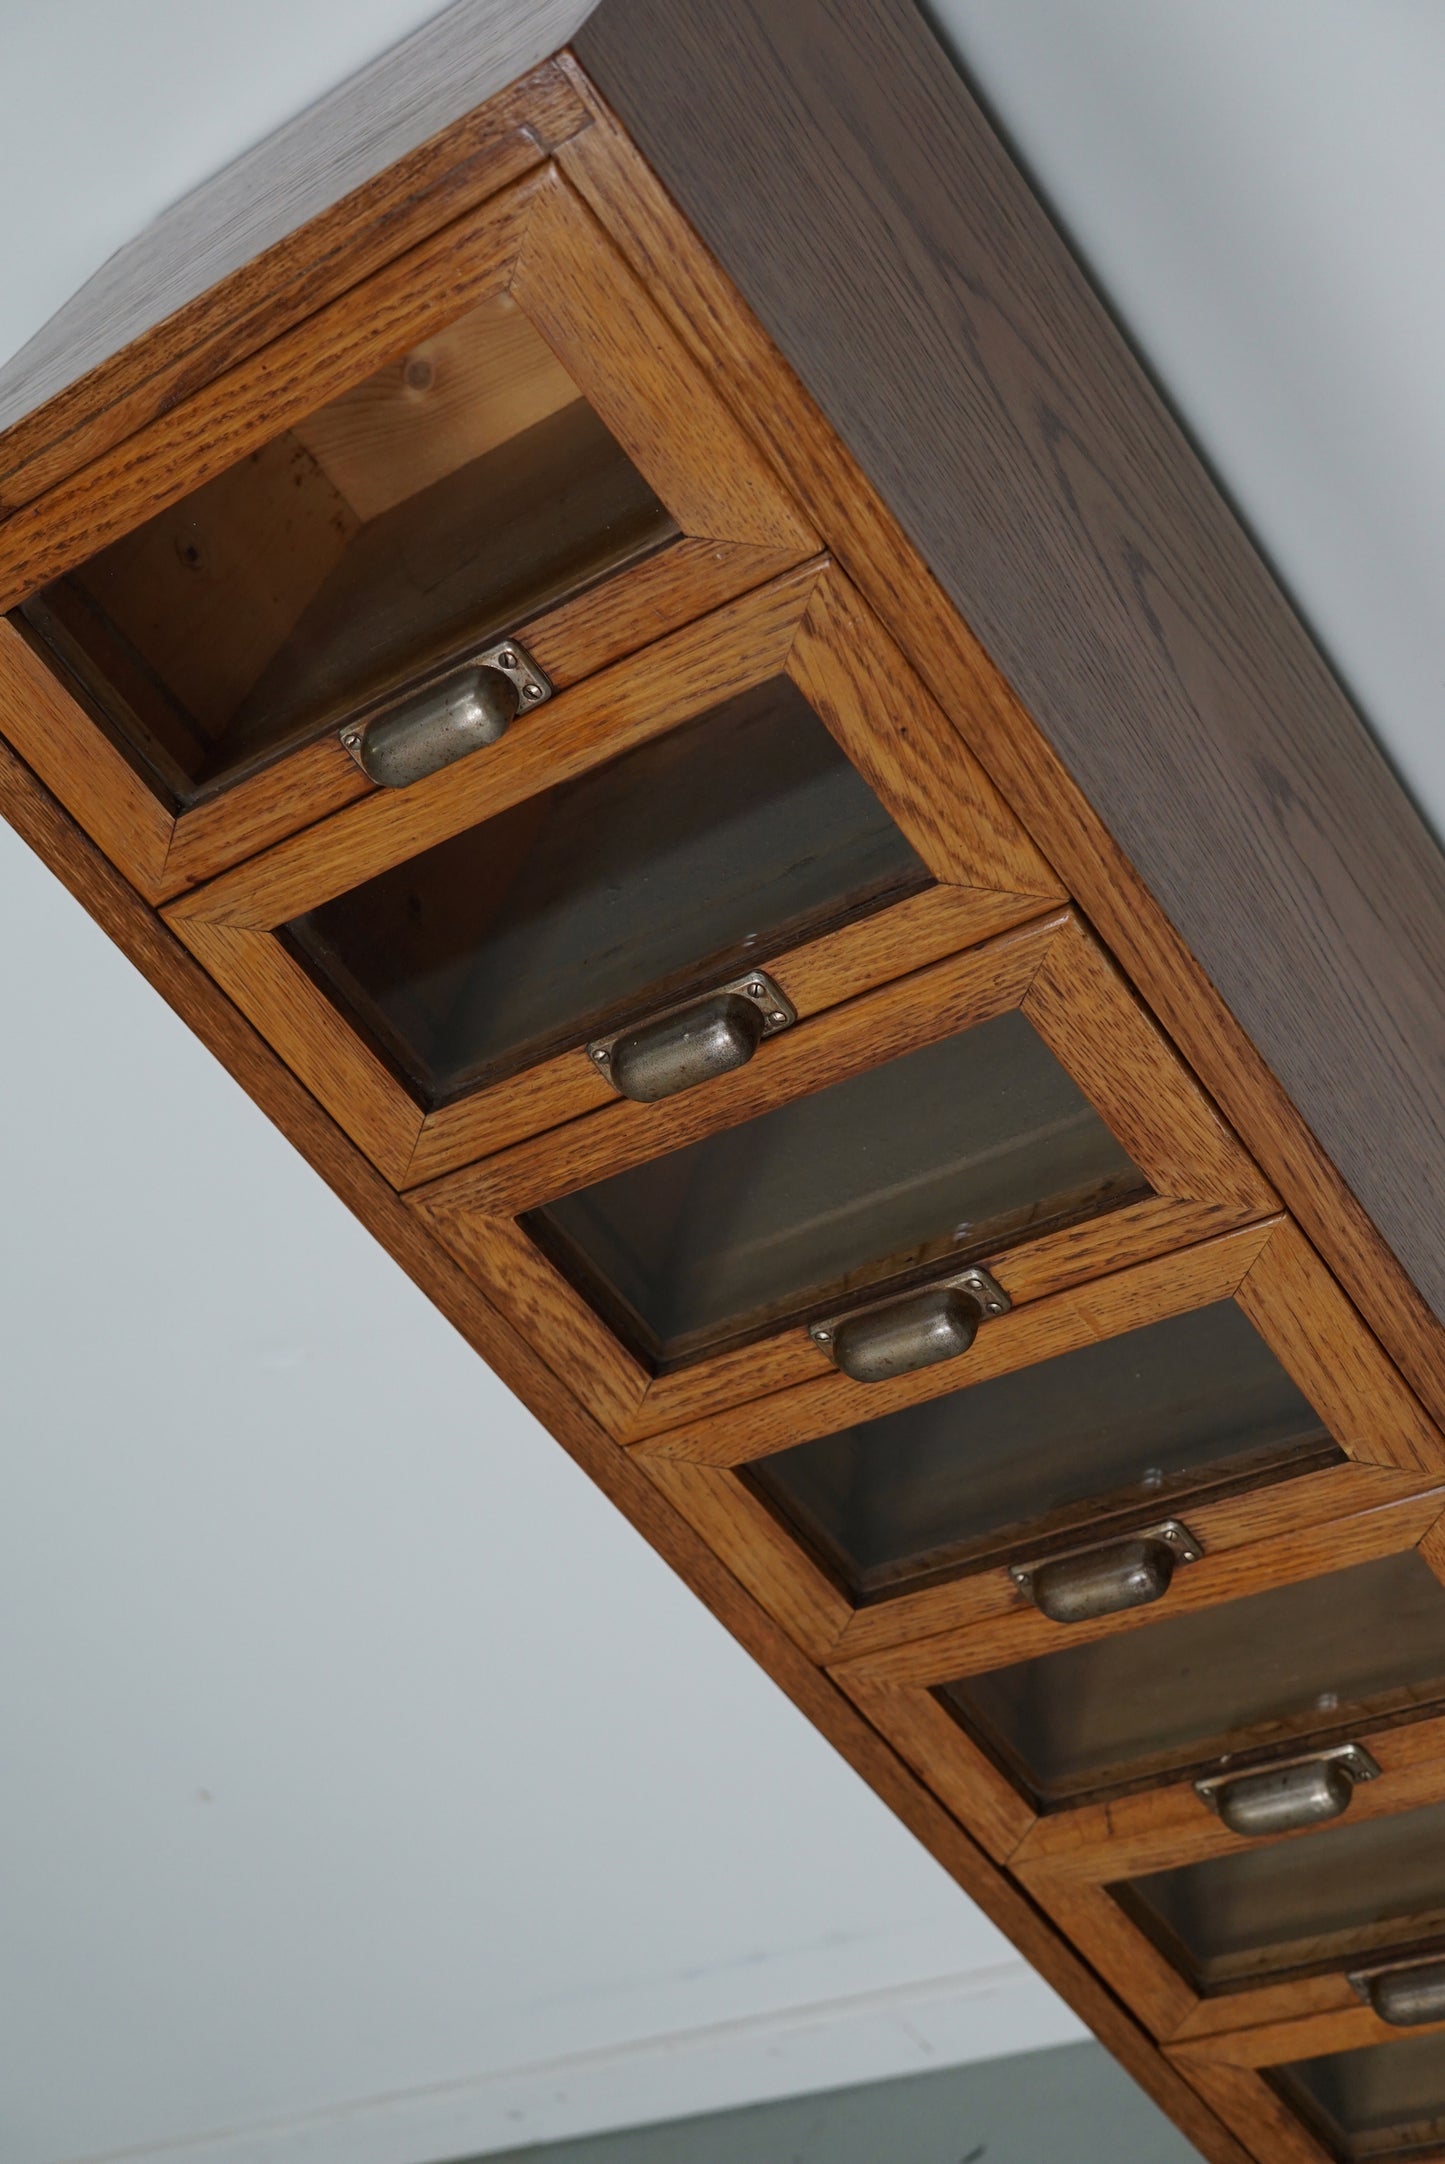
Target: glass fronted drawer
column 651, row 878
column 957, row 1150
column 1289, row 1669
column 1345, row 1898
column 461, row 491
column 1385, row 2101
column 1113, row 1434
column 637, row 888
column 979, row 1515
column 985, row 1130
column 998, row 1113
column 487, row 472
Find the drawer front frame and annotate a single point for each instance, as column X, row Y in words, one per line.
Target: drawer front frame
column 536, row 241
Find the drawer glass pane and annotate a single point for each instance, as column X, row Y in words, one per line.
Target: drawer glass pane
column 961, row 1148
column 1304, row 1661
column 670, row 869
column 894, row 1504
column 1385, row 2101
column 1352, row 1894
column 458, row 491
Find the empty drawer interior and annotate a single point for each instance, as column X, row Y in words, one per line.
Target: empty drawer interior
column 1344, row 1895
column 965, row 1146
column 1385, row 2101
column 1298, row 1664
column 1127, row 1426
column 461, row 489
column 697, row 855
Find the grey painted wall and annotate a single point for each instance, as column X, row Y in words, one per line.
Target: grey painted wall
column 1072, row 2104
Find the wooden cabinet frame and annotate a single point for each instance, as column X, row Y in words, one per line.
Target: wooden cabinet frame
column 1055, row 974
column 895, row 1687
column 1070, row 1859
column 760, row 482
column 537, row 242
column 1231, row 2070
column 808, row 627
column 892, row 1650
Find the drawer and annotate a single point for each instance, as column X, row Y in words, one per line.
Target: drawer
column 1218, row 1692
column 1357, row 1899
column 709, row 828
column 494, row 444
column 1207, row 1920
column 1191, row 1388
column 1327, row 2090
column 1009, row 1110
column 1388, row 2100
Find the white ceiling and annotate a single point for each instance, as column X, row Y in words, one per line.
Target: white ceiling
column 1259, row 187
column 366, row 1785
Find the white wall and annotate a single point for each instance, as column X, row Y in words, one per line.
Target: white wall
column 1259, row 186
column 369, row 1792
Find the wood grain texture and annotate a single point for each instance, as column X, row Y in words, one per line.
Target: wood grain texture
column 1137, row 1085
column 956, row 1770
column 574, row 1351
column 1156, row 1829
column 1256, row 1515
column 1145, row 1979
column 294, row 1015
column 608, row 713
column 829, row 479
column 1220, row 1576
column 1299, row 1309
column 604, row 1378
column 1303, row 2036
column 840, row 966
column 297, row 792
column 490, row 377
column 44, row 825
column 263, row 395
column 700, row 666
column 851, row 672
column 1296, row 1998
column 812, row 1399
column 755, row 1387
column 637, row 374
column 81, row 765
column 1228, row 2026
column 846, row 1040
column 1091, row 1022
column 739, row 528
column 452, row 113
column 1095, row 1027
column 1255, row 2112
column 759, row 1553
column 580, row 637
column 836, row 163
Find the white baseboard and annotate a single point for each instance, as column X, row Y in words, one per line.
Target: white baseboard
column 946, row 2021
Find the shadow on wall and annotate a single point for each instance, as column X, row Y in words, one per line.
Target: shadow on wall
column 1073, row 2104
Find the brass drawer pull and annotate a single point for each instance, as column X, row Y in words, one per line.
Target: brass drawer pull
column 683, row 1046
column 916, row 1330
column 1406, row 1996
column 1120, row 1574
column 1299, row 1792
column 459, row 713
